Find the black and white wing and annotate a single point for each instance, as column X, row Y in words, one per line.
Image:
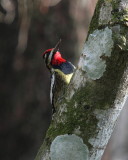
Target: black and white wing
column 52, row 87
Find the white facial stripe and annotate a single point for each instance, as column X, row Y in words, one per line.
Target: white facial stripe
column 50, row 56
column 45, row 56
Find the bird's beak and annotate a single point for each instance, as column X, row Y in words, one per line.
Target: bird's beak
column 55, row 49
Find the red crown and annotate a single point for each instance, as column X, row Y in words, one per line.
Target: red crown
column 48, row 50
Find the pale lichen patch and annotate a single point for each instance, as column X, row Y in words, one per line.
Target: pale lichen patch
column 124, row 5
column 105, row 13
column 105, row 128
column 105, row 117
column 99, row 45
column 77, row 131
column 78, row 81
column 68, row 147
column 46, row 156
column 62, row 109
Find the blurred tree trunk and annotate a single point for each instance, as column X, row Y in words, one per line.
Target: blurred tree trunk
column 86, row 116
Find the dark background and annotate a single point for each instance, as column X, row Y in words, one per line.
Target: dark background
column 27, row 29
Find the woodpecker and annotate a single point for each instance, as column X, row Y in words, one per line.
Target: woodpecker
column 61, row 73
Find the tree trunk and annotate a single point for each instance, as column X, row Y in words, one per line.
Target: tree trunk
column 86, row 116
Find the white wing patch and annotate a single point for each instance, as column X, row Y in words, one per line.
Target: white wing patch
column 52, row 86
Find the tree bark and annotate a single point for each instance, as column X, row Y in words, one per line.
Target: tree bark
column 87, row 114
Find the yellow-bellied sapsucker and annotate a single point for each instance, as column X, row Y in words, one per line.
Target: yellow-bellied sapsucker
column 61, row 73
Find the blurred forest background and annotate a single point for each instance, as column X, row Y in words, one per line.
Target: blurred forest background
column 27, row 28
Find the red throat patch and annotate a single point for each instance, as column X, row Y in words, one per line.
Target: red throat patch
column 57, row 59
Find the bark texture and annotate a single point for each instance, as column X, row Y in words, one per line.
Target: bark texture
column 87, row 114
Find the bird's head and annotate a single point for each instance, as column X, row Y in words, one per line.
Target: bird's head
column 52, row 57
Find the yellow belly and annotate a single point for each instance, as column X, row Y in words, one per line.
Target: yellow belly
column 65, row 77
